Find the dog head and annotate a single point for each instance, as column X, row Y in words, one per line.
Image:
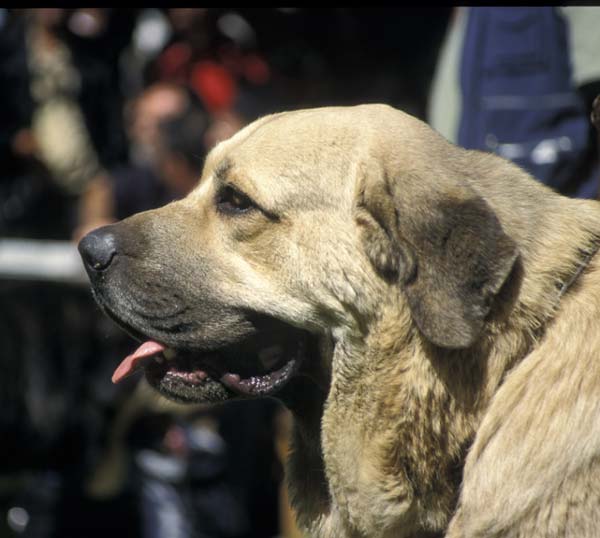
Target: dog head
column 300, row 227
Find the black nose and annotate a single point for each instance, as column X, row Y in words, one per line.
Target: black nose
column 98, row 249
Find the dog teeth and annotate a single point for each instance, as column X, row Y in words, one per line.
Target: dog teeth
column 269, row 356
column 169, row 354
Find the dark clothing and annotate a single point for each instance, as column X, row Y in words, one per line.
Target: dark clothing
column 519, row 100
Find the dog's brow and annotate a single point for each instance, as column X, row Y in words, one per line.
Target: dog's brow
column 222, row 170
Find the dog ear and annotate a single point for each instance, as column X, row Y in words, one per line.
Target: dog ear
column 444, row 245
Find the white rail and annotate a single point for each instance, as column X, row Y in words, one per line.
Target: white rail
column 41, row 260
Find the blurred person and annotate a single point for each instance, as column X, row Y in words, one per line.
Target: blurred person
column 215, row 52
column 31, row 203
column 136, row 185
column 185, row 139
column 520, row 82
column 158, row 102
column 57, row 124
column 61, row 105
column 183, row 147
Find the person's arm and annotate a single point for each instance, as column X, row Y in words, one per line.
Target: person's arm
column 95, row 205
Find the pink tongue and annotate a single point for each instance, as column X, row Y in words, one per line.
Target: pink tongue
column 132, row 362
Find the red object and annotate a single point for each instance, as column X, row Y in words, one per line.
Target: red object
column 214, row 84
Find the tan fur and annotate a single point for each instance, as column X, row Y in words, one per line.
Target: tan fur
column 433, row 276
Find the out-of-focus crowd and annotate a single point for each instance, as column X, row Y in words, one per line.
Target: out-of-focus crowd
column 105, row 113
column 110, row 111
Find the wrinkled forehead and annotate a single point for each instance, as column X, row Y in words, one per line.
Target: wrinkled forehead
column 304, row 152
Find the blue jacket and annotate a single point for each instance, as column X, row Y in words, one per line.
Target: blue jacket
column 519, row 100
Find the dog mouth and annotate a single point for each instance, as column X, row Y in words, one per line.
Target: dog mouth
column 258, row 365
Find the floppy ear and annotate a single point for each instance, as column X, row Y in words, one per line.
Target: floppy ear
column 443, row 244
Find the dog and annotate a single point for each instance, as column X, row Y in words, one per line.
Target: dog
column 429, row 314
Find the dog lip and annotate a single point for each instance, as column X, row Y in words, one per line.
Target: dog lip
column 269, row 383
column 262, row 385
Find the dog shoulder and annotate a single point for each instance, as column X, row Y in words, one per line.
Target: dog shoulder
column 534, row 467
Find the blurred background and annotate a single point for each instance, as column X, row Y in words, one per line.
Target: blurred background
column 107, row 112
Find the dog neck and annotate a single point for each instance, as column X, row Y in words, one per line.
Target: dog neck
column 586, row 258
column 420, row 411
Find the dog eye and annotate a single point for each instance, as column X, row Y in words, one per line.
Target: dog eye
column 231, row 201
